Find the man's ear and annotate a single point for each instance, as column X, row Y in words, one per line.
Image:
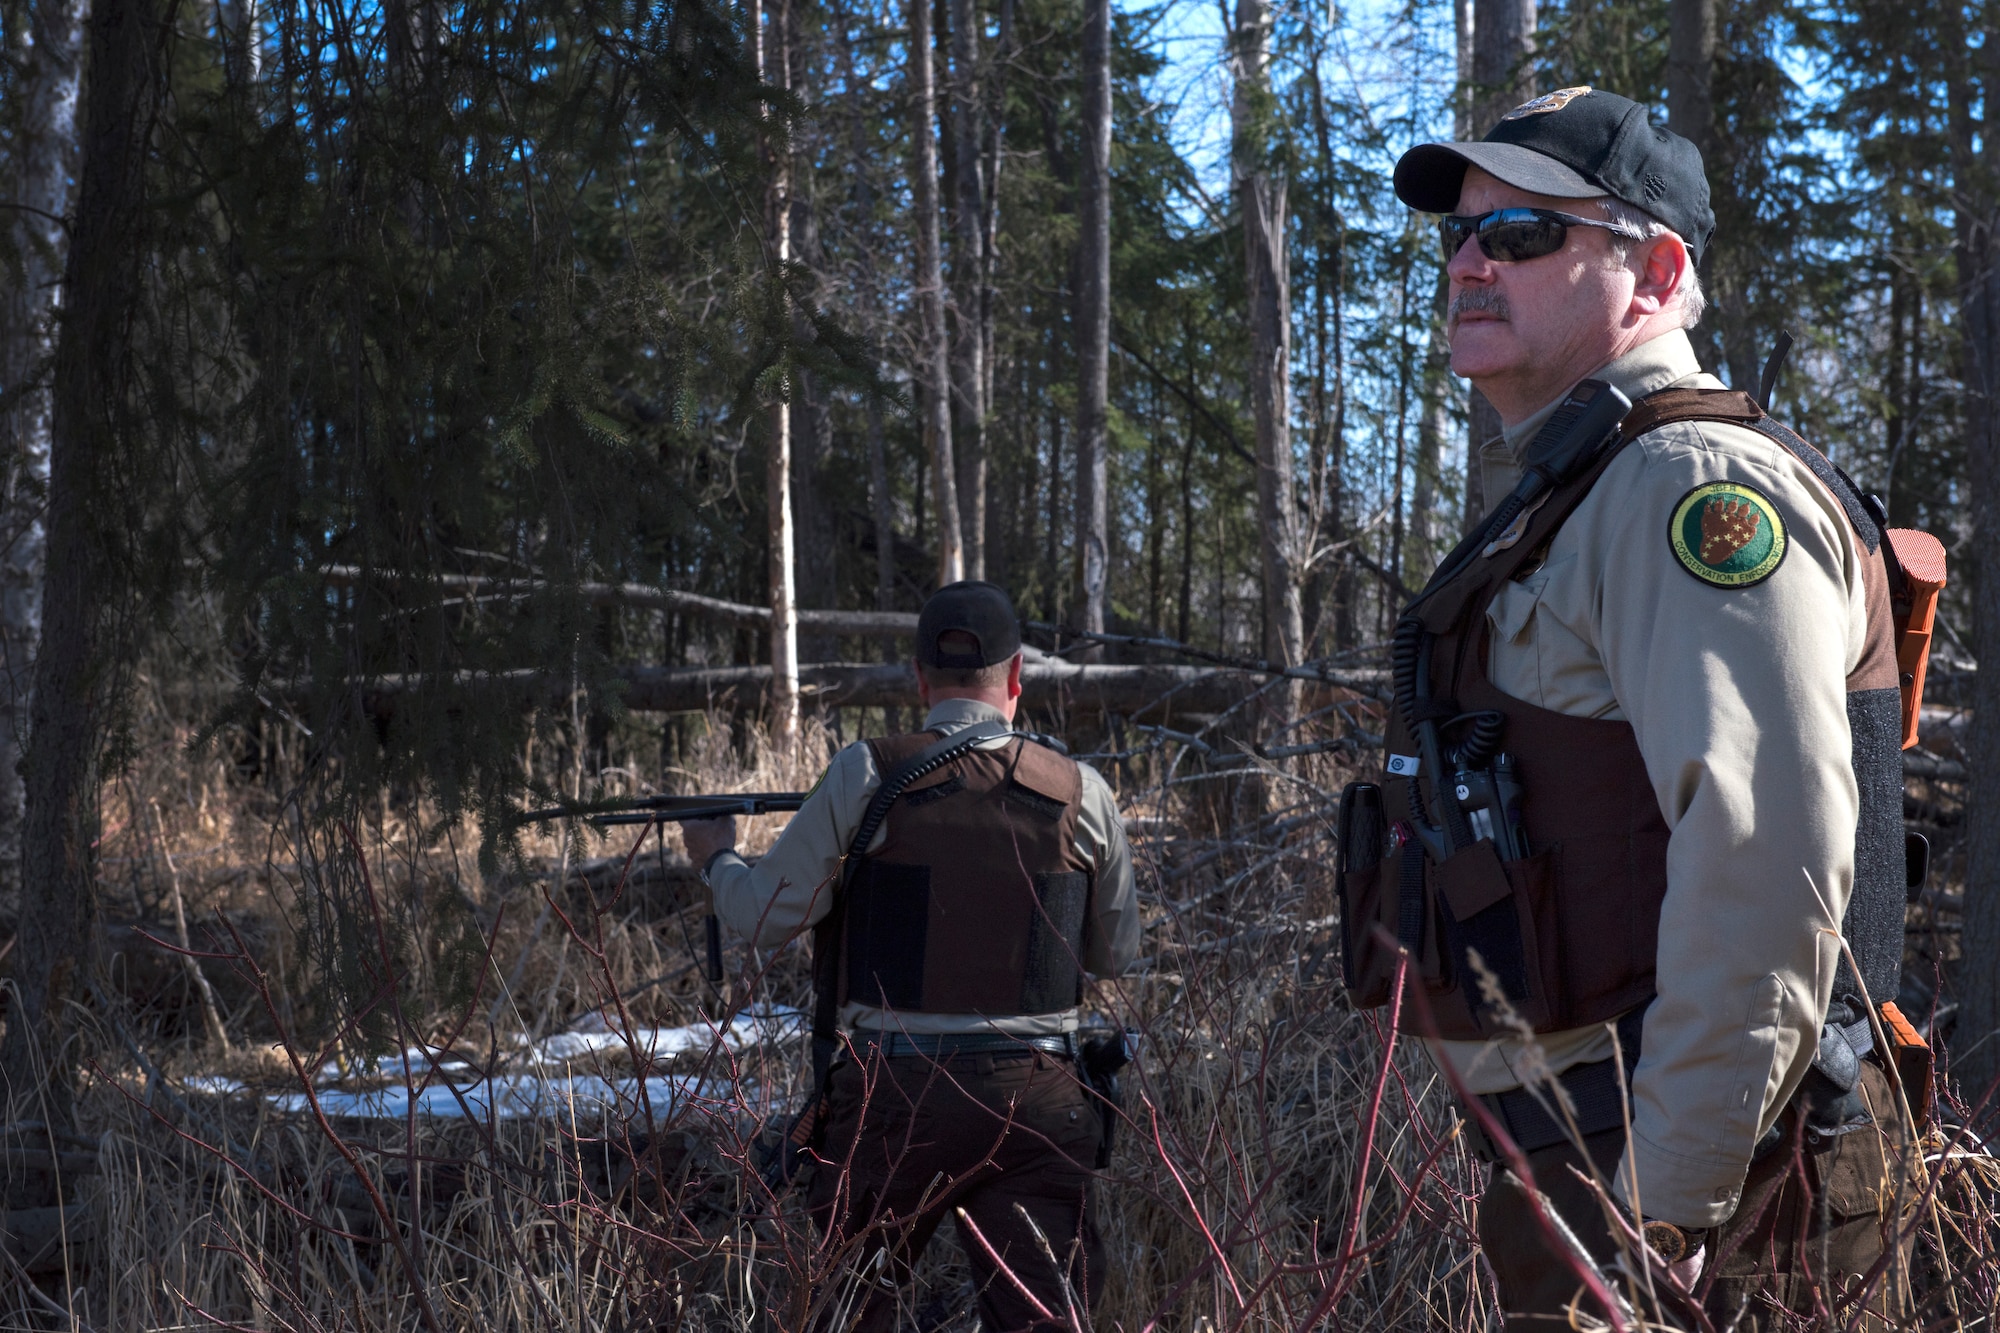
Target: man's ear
column 1661, row 270
column 923, row 683
column 1014, row 676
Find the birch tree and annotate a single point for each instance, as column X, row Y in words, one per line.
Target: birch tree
column 1093, row 316
column 933, row 361
column 968, row 363
column 1503, row 48
column 774, row 69
column 1261, row 197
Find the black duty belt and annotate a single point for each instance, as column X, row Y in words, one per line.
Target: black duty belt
column 1593, row 1090
column 943, row 1045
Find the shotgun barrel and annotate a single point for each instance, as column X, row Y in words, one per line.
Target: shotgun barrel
column 671, row 809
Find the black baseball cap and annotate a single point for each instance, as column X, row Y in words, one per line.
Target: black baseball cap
column 1574, row 143
column 975, row 607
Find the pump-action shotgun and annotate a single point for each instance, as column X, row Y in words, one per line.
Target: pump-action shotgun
column 673, row 809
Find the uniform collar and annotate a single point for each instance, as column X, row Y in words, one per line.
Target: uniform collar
column 1663, row 363
column 957, row 714
column 1647, row 368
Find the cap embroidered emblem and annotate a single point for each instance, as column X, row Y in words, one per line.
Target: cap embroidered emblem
column 1727, row 534
column 1547, row 102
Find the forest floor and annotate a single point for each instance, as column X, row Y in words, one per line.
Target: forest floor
column 425, row 1095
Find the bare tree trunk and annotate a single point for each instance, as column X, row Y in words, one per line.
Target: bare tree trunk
column 43, row 162
column 1463, row 95
column 1503, row 50
column 1977, row 189
column 1261, row 195
column 243, row 55
column 1327, row 448
column 774, row 67
column 933, row 369
column 1093, row 316
column 1433, row 425
column 990, row 160
column 885, row 514
column 1691, row 71
column 968, row 271
column 73, row 679
column 1502, row 77
column 1440, row 389
column 1691, row 40
column 880, row 500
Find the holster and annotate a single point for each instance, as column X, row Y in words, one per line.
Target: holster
column 1100, row 1056
column 782, row 1160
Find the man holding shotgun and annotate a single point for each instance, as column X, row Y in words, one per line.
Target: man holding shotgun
column 1644, row 790
column 960, row 883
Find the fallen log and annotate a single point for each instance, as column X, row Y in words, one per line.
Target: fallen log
column 36, row 1238
column 643, row 596
column 1046, row 686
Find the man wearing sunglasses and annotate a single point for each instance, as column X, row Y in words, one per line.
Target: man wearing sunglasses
column 1697, row 627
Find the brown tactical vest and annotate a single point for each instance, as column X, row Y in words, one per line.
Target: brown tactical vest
column 978, row 900
column 1571, row 932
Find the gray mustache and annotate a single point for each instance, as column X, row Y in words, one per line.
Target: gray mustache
column 1478, row 298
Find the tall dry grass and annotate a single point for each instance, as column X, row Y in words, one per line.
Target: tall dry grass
column 1284, row 1164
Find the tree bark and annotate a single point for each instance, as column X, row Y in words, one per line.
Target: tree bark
column 995, row 118
column 43, row 162
column 881, row 500
column 774, row 68
column 968, row 271
column 1691, row 71
column 1502, row 77
column 933, row 369
column 1691, row 42
column 1093, row 318
column 1261, row 195
column 243, row 54
column 1976, row 168
column 74, row 676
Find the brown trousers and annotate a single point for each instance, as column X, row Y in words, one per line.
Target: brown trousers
column 910, row 1141
column 1813, row 1222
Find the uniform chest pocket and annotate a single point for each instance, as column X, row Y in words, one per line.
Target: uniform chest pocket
column 1512, row 610
column 1513, row 607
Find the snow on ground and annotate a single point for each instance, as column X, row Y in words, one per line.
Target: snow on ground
column 557, row 1078
column 575, row 1098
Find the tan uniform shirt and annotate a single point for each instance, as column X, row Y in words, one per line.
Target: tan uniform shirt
column 790, row 888
column 1738, row 699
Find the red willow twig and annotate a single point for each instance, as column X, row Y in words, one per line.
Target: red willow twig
column 1586, row 1273
column 340, row 1145
column 1194, row 1209
column 965, row 1220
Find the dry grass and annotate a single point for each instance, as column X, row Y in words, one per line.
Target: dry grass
column 1239, row 1196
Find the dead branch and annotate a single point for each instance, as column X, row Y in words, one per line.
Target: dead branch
column 640, row 596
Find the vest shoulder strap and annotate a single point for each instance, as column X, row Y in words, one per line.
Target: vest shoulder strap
column 1737, row 408
column 1047, row 773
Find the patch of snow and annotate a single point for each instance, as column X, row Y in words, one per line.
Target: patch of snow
column 766, row 1023
column 447, row 1088
column 586, row 1097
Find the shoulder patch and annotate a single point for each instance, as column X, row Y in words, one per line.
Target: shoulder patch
column 1727, row 534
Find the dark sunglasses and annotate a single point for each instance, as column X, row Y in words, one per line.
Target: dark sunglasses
column 1509, row 235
